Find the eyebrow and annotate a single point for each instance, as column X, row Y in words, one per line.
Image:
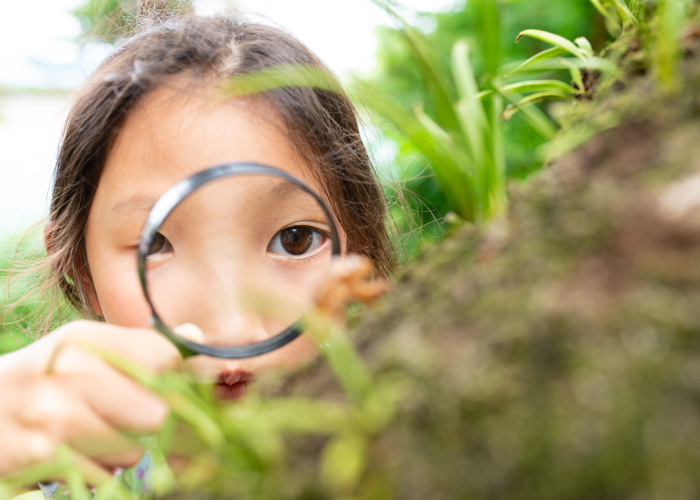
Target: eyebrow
column 282, row 191
column 135, row 203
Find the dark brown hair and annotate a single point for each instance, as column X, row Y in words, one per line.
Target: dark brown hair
column 321, row 126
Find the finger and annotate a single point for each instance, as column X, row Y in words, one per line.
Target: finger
column 61, row 415
column 118, row 399
column 145, row 347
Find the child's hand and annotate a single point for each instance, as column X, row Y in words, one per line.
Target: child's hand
column 82, row 402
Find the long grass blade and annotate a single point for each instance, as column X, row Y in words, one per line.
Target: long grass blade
column 469, row 108
column 435, row 81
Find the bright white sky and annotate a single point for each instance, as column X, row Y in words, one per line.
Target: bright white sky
column 36, row 51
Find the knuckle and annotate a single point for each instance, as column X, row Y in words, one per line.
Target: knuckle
column 39, row 448
column 44, row 408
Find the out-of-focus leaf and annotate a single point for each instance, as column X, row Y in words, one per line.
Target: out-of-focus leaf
column 556, row 40
column 448, row 172
column 435, row 80
column 347, row 365
column 537, row 119
column 276, row 77
column 625, row 13
column 295, row 415
column 488, row 30
column 433, row 128
column 611, row 21
column 534, row 62
column 583, row 43
column 539, row 86
column 343, row 462
column 576, row 75
column 469, row 109
column 593, row 63
column 535, row 98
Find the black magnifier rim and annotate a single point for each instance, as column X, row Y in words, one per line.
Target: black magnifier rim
column 162, row 209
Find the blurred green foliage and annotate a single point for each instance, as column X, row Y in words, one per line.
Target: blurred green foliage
column 28, row 308
column 419, row 201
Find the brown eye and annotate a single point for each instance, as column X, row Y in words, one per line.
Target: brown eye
column 297, row 240
column 159, row 244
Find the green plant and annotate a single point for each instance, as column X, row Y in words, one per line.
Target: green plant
column 463, row 139
column 238, row 450
column 27, row 308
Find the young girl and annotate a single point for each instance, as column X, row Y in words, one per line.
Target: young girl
column 141, row 123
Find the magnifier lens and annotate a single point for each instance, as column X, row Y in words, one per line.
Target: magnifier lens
column 238, row 260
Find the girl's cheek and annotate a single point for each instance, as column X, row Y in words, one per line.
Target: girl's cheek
column 119, row 293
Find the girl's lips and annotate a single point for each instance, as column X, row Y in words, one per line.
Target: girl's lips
column 232, row 385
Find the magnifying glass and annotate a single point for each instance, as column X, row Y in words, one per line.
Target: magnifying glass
column 238, row 251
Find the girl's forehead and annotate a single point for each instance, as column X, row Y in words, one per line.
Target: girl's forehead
column 174, row 133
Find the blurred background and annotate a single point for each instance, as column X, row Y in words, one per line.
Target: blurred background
column 45, row 55
column 43, row 59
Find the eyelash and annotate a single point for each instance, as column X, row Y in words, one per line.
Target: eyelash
column 162, row 242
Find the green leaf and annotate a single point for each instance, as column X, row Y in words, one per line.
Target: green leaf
column 467, row 87
column 595, row 63
column 488, row 28
column 575, row 75
column 538, row 86
column 348, row 367
column 433, row 128
column 583, row 43
column 535, row 98
column 611, row 21
column 536, row 59
column 469, row 108
column 276, row 77
column 456, row 184
column 556, row 40
column 537, row 119
column 625, row 13
column 435, row 81
column 343, row 462
column 295, row 415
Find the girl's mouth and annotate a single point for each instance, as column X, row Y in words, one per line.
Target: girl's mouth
column 232, row 385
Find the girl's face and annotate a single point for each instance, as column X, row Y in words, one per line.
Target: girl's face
column 171, row 135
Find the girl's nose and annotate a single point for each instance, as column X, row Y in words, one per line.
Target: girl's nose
column 225, row 312
column 231, row 327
